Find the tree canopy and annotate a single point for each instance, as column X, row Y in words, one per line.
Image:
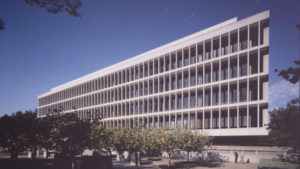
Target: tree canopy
column 18, row 132
column 291, row 74
column 54, row 6
column 285, row 127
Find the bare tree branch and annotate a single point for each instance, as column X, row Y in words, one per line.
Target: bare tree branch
column 56, row 6
column 2, row 25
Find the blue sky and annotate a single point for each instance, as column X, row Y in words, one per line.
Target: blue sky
column 40, row 50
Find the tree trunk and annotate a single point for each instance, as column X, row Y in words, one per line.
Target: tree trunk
column 188, row 156
column 136, row 160
column 33, row 153
column 14, row 155
column 169, row 164
column 46, row 153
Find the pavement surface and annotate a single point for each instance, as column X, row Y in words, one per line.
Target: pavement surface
column 179, row 164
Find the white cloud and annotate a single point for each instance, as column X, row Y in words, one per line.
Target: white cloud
column 282, row 92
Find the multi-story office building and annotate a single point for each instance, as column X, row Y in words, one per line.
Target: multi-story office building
column 215, row 80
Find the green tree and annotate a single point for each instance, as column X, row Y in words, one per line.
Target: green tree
column 134, row 141
column 284, row 128
column 32, row 131
column 192, row 141
column 120, row 139
column 72, row 135
column 14, row 137
column 170, row 141
column 102, row 137
column 152, row 141
column 48, row 132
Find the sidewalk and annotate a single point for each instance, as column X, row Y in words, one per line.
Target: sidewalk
column 146, row 164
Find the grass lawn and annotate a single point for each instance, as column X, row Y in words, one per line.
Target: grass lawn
column 276, row 164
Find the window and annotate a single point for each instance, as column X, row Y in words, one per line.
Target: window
column 179, row 102
column 224, row 96
column 141, row 89
column 173, row 84
column 200, row 100
column 186, row 57
column 233, row 95
column 243, row 69
column 167, row 84
column 141, row 107
column 192, row 100
column 207, row 77
column 233, row 71
column 136, row 91
column 215, row 97
column 136, row 73
column 179, row 60
column 150, row 88
column 161, row 85
column 167, row 104
column 141, row 71
column 161, row 65
column 173, row 61
column 243, row 94
column 224, row 72
column 186, row 101
column 207, row 98
column 192, row 79
column 179, row 81
column 150, row 106
column 150, row 68
column 216, row 75
column 145, row 89
column 199, row 78
column 186, row 80
column 173, row 102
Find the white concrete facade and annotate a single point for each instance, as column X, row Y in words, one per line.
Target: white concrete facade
column 215, row 80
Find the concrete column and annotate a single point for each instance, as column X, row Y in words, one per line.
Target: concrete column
column 266, row 63
column 203, row 116
column 196, row 120
column 258, row 115
column 265, row 91
column 182, row 119
column 153, row 122
column 189, row 121
column 247, row 116
column 238, row 40
column 237, row 117
column 266, row 36
column 211, row 119
column 147, row 121
column 164, row 121
column 170, row 120
column 228, row 117
column 265, row 117
column 219, row 120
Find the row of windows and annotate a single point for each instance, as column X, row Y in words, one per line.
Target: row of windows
column 185, row 78
column 214, row 47
column 195, row 120
column 178, row 100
